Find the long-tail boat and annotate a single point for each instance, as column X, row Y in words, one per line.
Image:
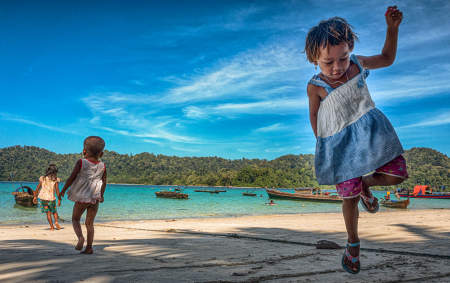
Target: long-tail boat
column 424, row 191
column 24, row 196
column 208, row 191
column 395, row 203
column 170, row 194
column 304, row 195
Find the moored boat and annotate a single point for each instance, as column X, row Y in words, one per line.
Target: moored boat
column 208, row 191
column 424, row 191
column 170, row 194
column 395, row 203
column 248, row 194
column 24, row 196
column 304, row 195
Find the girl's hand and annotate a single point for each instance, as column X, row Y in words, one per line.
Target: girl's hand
column 35, row 200
column 59, row 202
column 393, row 16
column 101, row 199
column 61, row 194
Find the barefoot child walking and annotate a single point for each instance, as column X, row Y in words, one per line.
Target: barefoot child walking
column 87, row 186
column 353, row 137
column 45, row 191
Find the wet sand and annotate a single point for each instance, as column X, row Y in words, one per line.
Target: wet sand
column 397, row 246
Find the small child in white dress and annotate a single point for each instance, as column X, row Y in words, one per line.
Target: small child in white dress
column 87, row 186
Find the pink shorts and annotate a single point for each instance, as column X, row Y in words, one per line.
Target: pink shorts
column 352, row 188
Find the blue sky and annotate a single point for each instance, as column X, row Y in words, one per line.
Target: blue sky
column 205, row 78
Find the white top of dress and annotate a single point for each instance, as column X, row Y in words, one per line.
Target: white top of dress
column 87, row 185
column 47, row 191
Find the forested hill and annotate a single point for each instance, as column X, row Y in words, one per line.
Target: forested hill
column 425, row 166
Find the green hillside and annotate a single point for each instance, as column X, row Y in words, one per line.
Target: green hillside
column 27, row 163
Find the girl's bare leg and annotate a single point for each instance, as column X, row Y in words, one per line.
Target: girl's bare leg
column 377, row 179
column 78, row 210
column 50, row 221
column 90, row 216
column 55, row 215
column 351, row 213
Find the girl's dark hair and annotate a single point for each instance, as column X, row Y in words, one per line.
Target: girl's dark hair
column 333, row 32
column 51, row 172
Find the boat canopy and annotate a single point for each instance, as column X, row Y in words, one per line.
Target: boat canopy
column 420, row 189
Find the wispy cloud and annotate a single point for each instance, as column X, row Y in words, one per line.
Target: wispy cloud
column 272, row 128
column 152, row 141
column 277, row 107
column 438, row 120
column 18, row 119
column 241, row 76
column 127, row 121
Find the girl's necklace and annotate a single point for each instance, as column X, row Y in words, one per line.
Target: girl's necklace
column 332, row 83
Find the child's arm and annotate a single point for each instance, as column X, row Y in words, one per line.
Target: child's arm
column 72, row 177
column 103, row 186
column 314, row 103
column 36, row 192
column 57, row 193
column 387, row 56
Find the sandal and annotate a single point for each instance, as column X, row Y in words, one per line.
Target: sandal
column 353, row 259
column 369, row 200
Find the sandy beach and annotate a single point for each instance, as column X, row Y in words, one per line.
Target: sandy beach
column 397, row 246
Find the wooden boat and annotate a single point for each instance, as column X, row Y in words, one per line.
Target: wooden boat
column 308, row 196
column 170, row 194
column 24, row 196
column 207, row 191
column 423, row 191
column 249, row 194
column 395, row 203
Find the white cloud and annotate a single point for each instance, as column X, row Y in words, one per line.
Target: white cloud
column 18, row 119
column 241, row 76
column 272, row 128
column 152, row 141
column 438, row 120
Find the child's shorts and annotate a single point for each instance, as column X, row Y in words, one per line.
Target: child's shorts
column 353, row 187
column 48, row 205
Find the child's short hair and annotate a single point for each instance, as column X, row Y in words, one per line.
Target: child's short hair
column 94, row 145
column 329, row 32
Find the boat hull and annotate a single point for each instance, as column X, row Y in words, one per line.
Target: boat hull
column 24, row 196
column 432, row 196
column 303, row 197
column 395, row 204
column 173, row 195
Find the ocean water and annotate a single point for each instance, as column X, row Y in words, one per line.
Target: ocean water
column 136, row 202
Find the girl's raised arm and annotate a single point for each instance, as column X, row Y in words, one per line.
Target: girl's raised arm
column 393, row 19
column 72, row 177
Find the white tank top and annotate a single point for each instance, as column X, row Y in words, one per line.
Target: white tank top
column 87, row 185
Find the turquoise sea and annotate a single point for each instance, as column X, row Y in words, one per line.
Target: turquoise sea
column 138, row 202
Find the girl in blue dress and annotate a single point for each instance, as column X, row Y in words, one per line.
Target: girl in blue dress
column 353, row 137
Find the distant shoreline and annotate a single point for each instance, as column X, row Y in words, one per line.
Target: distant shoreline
column 190, row 186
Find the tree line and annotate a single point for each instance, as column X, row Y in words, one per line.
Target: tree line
column 26, row 163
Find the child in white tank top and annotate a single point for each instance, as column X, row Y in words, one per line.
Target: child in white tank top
column 87, row 186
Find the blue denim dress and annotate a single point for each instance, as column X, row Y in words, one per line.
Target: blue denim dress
column 353, row 137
